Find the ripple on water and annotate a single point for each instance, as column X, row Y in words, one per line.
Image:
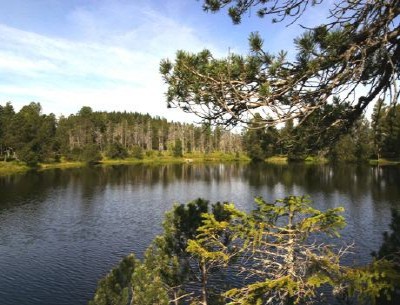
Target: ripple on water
column 59, row 236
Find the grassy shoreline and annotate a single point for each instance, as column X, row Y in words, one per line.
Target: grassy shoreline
column 7, row 168
column 282, row 159
column 15, row 167
column 384, row 162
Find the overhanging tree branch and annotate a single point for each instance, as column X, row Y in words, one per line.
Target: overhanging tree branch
column 356, row 51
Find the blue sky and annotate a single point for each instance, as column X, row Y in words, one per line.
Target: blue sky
column 105, row 54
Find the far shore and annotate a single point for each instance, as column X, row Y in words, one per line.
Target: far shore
column 15, row 167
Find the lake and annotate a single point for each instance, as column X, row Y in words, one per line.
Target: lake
column 62, row 230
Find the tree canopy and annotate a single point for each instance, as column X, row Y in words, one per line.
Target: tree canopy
column 33, row 137
column 355, row 55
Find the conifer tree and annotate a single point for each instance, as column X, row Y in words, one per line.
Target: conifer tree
column 357, row 48
column 280, row 250
column 390, row 250
column 115, row 287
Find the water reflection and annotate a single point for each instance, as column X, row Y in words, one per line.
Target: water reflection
column 61, row 230
column 355, row 181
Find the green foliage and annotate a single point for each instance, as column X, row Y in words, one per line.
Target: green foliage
column 210, row 249
column 372, row 283
column 260, row 142
column 279, row 248
column 181, row 224
column 256, row 153
column 116, row 151
column 137, row 152
column 6, row 115
column 147, row 285
column 357, row 146
column 36, row 138
column 279, row 244
column 74, row 154
column 31, row 134
column 390, row 248
column 343, row 150
column 28, row 155
column 42, row 140
column 178, row 151
column 390, row 251
column 181, row 228
column 115, row 287
column 386, row 126
column 340, row 56
column 91, row 154
column 150, row 153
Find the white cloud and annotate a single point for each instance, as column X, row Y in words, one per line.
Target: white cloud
column 107, row 67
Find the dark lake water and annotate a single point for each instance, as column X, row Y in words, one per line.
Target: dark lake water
column 61, row 230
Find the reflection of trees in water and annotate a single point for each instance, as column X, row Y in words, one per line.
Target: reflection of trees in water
column 354, row 180
column 90, row 181
column 385, row 183
column 32, row 186
column 171, row 173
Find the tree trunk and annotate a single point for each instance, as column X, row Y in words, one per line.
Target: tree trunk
column 176, row 302
column 203, row 284
column 290, row 253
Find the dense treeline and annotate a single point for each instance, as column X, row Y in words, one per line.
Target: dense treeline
column 32, row 137
column 379, row 138
column 28, row 135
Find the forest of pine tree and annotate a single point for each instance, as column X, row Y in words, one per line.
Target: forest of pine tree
column 33, row 137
